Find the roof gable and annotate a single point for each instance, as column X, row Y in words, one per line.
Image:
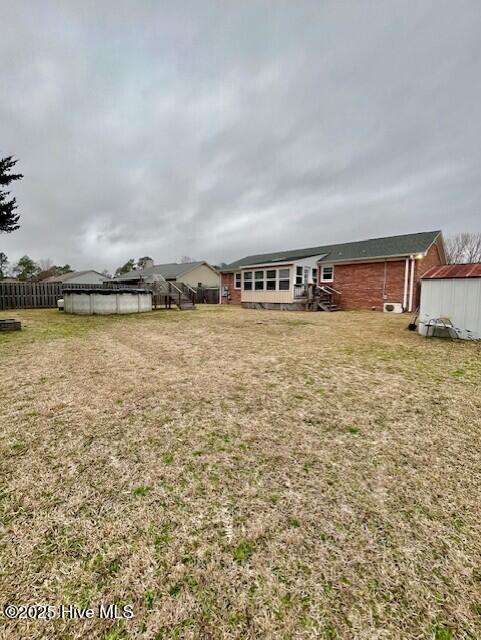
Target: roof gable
column 64, row 277
column 389, row 246
column 170, row 270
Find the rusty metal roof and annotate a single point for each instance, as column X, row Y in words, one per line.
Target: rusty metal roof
column 472, row 270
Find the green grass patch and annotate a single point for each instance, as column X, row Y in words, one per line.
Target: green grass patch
column 141, row 491
column 243, row 550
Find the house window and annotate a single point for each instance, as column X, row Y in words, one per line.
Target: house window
column 271, row 280
column 237, row 282
column 284, row 282
column 298, row 275
column 314, row 275
column 327, row 274
column 259, row 280
column 247, row 280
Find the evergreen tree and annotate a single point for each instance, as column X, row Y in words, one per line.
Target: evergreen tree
column 141, row 262
column 3, row 264
column 125, row 268
column 26, row 268
column 8, row 217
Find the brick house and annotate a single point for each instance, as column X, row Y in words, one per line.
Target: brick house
column 353, row 275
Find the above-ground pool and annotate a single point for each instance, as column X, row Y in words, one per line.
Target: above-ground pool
column 106, row 301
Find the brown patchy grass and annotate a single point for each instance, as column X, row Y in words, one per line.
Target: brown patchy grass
column 313, row 476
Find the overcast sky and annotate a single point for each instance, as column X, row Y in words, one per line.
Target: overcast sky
column 220, row 129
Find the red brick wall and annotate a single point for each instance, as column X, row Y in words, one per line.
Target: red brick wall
column 365, row 285
column 227, row 280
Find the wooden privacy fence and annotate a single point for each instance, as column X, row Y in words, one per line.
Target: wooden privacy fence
column 34, row 295
column 207, row 295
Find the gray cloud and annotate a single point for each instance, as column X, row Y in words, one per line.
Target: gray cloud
column 218, row 129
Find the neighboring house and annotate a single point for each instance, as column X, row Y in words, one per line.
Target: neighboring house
column 361, row 275
column 9, row 280
column 79, row 277
column 194, row 274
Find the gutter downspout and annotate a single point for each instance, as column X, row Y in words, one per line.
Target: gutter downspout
column 406, row 280
column 221, row 280
column 411, row 287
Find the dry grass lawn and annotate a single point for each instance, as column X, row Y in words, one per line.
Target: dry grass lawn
column 241, row 474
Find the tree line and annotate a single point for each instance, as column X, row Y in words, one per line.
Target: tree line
column 463, row 247
column 27, row 270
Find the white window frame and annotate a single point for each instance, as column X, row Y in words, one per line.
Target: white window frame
column 260, row 281
column 274, row 279
column 281, row 279
column 238, row 284
column 327, row 266
column 264, row 280
column 299, row 275
column 250, row 280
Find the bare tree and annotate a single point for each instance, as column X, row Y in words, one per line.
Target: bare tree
column 45, row 264
column 186, row 259
column 463, row 247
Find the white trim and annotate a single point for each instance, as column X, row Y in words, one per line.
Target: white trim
column 265, row 279
column 411, row 287
column 435, row 241
column 238, row 273
column 406, row 283
column 273, row 265
column 328, row 266
column 261, row 265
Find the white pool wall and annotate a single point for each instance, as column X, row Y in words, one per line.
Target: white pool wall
column 103, row 303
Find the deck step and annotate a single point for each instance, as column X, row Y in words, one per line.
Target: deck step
column 325, row 306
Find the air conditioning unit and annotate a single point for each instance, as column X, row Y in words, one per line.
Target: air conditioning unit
column 393, row 307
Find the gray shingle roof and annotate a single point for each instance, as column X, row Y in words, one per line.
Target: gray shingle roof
column 65, row 277
column 171, row 270
column 363, row 249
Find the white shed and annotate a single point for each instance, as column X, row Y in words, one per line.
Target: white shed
column 452, row 292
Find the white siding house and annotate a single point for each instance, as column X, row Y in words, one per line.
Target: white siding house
column 194, row 274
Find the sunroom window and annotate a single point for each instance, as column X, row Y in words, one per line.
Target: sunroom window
column 271, row 279
column 284, row 280
column 247, row 280
column 259, row 280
